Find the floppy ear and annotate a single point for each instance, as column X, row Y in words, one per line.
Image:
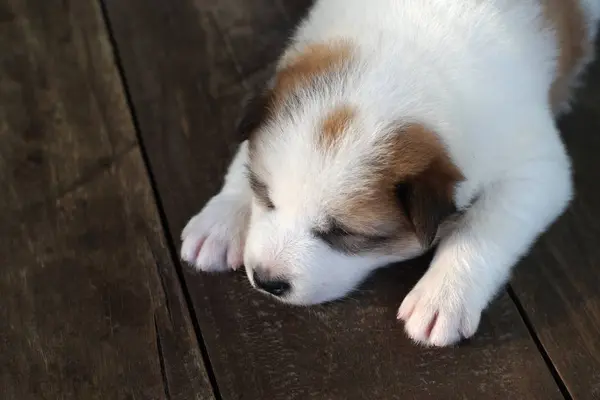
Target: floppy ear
column 427, row 201
column 426, row 178
column 256, row 111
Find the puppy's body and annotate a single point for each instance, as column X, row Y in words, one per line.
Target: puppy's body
column 381, row 121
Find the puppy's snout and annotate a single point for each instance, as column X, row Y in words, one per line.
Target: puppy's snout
column 276, row 287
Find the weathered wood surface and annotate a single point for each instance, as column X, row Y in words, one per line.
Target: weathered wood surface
column 559, row 283
column 91, row 304
column 187, row 65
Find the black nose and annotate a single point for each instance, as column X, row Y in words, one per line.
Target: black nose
column 275, row 287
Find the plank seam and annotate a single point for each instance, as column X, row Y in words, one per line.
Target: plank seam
column 161, row 213
column 538, row 343
column 161, row 360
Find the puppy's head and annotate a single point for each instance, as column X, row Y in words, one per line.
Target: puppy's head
column 338, row 192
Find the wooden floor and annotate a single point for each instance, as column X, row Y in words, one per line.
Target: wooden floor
column 116, row 125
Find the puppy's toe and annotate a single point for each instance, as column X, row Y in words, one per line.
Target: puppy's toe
column 213, row 240
column 437, row 313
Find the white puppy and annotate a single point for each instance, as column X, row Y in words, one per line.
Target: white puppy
column 394, row 125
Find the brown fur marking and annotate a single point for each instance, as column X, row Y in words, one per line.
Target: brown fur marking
column 419, row 153
column 566, row 18
column 414, row 157
column 312, row 61
column 335, row 124
column 299, row 69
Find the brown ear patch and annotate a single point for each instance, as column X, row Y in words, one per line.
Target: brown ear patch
column 566, row 19
column 425, row 179
column 416, row 150
column 311, row 62
column 409, row 191
column 335, row 124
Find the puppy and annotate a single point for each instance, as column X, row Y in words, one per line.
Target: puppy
column 391, row 126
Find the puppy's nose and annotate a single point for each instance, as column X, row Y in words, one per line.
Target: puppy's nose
column 275, row 287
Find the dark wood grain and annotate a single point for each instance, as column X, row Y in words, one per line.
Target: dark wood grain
column 188, row 64
column 559, row 283
column 91, row 304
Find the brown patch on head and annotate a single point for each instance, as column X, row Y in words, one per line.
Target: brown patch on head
column 566, row 19
column 410, row 191
column 335, row 124
column 313, row 61
column 298, row 69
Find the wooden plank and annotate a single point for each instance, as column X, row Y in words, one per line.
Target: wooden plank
column 259, row 349
column 558, row 283
column 92, row 307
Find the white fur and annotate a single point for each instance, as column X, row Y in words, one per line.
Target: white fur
column 478, row 74
column 213, row 240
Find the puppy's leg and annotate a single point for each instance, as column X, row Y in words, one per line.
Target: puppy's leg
column 473, row 263
column 213, row 240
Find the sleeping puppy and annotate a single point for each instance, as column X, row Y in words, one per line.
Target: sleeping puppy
column 391, row 126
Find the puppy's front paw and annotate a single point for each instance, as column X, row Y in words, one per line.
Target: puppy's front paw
column 213, row 240
column 440, row 311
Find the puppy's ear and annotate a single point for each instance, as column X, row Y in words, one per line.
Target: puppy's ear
column 427, row 201
column 256, row 110
column 425, row 189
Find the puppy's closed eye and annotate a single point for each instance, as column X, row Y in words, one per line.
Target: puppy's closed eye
column 341, row 238
column 260, row 190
